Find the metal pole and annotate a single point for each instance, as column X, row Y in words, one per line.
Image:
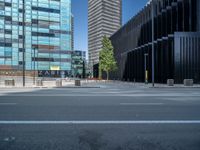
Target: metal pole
column 152, row 13
column 81, row 63
column 145, row 68
column 23, row 53
column 34, row 68
column 83, row 68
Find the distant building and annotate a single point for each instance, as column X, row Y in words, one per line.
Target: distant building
column 104, row 19
column 78, row 63
column 176, row 40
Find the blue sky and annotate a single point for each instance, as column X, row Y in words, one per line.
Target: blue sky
column 79, row 10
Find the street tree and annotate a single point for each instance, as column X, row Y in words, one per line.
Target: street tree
column 107, row 61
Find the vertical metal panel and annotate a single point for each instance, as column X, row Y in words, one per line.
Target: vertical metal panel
column 198, row 15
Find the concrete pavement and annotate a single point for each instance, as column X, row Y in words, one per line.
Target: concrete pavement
column 113, row 117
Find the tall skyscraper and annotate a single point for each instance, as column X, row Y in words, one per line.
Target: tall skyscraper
column 42, row 32
column 104, row 19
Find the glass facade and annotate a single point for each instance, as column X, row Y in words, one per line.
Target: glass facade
column 78, row 62
column 43, row 32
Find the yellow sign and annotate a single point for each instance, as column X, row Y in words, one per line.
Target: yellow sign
column 55, row 68
column 146, row 75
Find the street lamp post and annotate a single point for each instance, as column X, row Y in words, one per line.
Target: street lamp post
column 83, row 65
column 23, row 53
column 92, row 68
column 152, row 15
column 145, row 68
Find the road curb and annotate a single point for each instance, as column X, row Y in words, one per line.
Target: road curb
column 176, row 87
column 44, row 87
column 76, row 87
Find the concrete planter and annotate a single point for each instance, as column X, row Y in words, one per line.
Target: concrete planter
column 10, row 82
column 77, row 82
column 188, row 82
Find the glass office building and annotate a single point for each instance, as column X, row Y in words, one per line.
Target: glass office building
column 176, row 41
column 78, row 62
column 42, row 34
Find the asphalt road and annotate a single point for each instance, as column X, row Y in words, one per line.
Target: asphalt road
column 113, row 117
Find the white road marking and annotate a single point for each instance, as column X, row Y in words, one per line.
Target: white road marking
column 141, row 104
column 102, row 122
column 96, row 95
column 8, row 103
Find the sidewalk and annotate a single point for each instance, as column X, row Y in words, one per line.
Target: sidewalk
column 104, row 83
column 29, row 82
column 47, row 83
column 70, row 83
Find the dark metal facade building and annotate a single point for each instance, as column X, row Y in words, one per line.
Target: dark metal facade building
column 176, row 40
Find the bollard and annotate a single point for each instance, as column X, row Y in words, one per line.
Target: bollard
column 10, row 82
column 170, row 82
column 77, row 82
column 39, row 82
column 59, row 83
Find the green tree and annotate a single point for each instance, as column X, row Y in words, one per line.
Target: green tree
column 107, row 61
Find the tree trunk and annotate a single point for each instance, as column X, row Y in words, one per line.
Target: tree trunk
column 100, row 73
column 107, row 72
